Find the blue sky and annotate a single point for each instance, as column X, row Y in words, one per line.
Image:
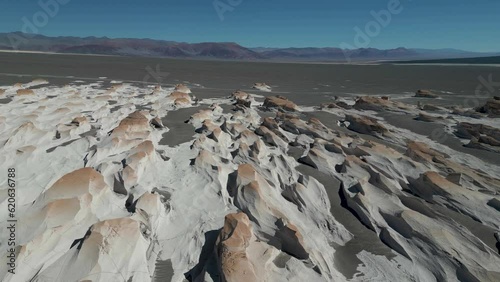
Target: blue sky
column 463, row 24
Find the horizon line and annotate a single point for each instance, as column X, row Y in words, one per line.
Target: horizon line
column 248, row 47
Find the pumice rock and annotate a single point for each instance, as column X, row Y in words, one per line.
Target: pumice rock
column 280, row 102
column 106, row 192
column 492, row 108
column 182, row 88
column 365, row 125
column 262, row 87
column 479, row 134
column 370, row 103
column 233, row 242
column 425, row 94
column 22, row 92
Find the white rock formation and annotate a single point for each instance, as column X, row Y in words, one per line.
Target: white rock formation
column 99, row 198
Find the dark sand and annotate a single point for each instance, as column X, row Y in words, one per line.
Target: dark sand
column 306, row 84
column 163, row 271
column 180, row 131
column 5, row 100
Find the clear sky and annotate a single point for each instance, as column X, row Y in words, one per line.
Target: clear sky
column 464, row 24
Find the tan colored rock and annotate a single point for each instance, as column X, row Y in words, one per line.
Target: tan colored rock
column 262, row 87
column 182, row 88
column 431, row 184
column 232, row 244
column 209, row 125
column 206, row 160
column 21, row 92
column 365, row 125
column 146, row 147
column 235, row 128
column 425, row 94
column 201, row 115
column 246, row 173
column 270, row 123
column 157, row 90
column 281, row 103
column 479, row 132
column 75, row 184
column 242, row 98
column 467, row 113
column 484, row 143
column 135, row 122
column 62, row 111
column 492, row 108
column 336, row 105
column 240, row 95
column 157, row 123
column 40, row 81
column 270, row 137
column 79, row 121
column 489, row 140
column 103, row 98
column 182, row 102
column 313, row 128
column 430, row 108
column 419, row 151
column 179, row 95
column 369, row 103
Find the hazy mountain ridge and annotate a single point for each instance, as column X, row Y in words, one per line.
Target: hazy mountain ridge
column 214, row 50
column 471, row 60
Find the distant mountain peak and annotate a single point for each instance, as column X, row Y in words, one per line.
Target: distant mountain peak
column 216, row 50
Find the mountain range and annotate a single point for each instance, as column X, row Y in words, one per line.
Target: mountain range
column 215, row 50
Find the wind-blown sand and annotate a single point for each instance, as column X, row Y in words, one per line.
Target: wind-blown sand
column 143, row 183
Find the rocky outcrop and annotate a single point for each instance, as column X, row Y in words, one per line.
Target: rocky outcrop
column 280, row 102
column 182, row 102
column 240, row 95
column 245, row 195
column 182, row 88
column 179, row 95
column 431, row 108
column 365, row 125
column 466, row 113
column 78, row 121
column 157, row 123
column 336, row 105
column 232, row 244
column 22, row 92
column 425, row 94
column 313, row 127
column 479, row 134
column 370, row 103
column 262, row 87
column 492, row 108
column 241, row 98
column 484, row 143
column 134, row 124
